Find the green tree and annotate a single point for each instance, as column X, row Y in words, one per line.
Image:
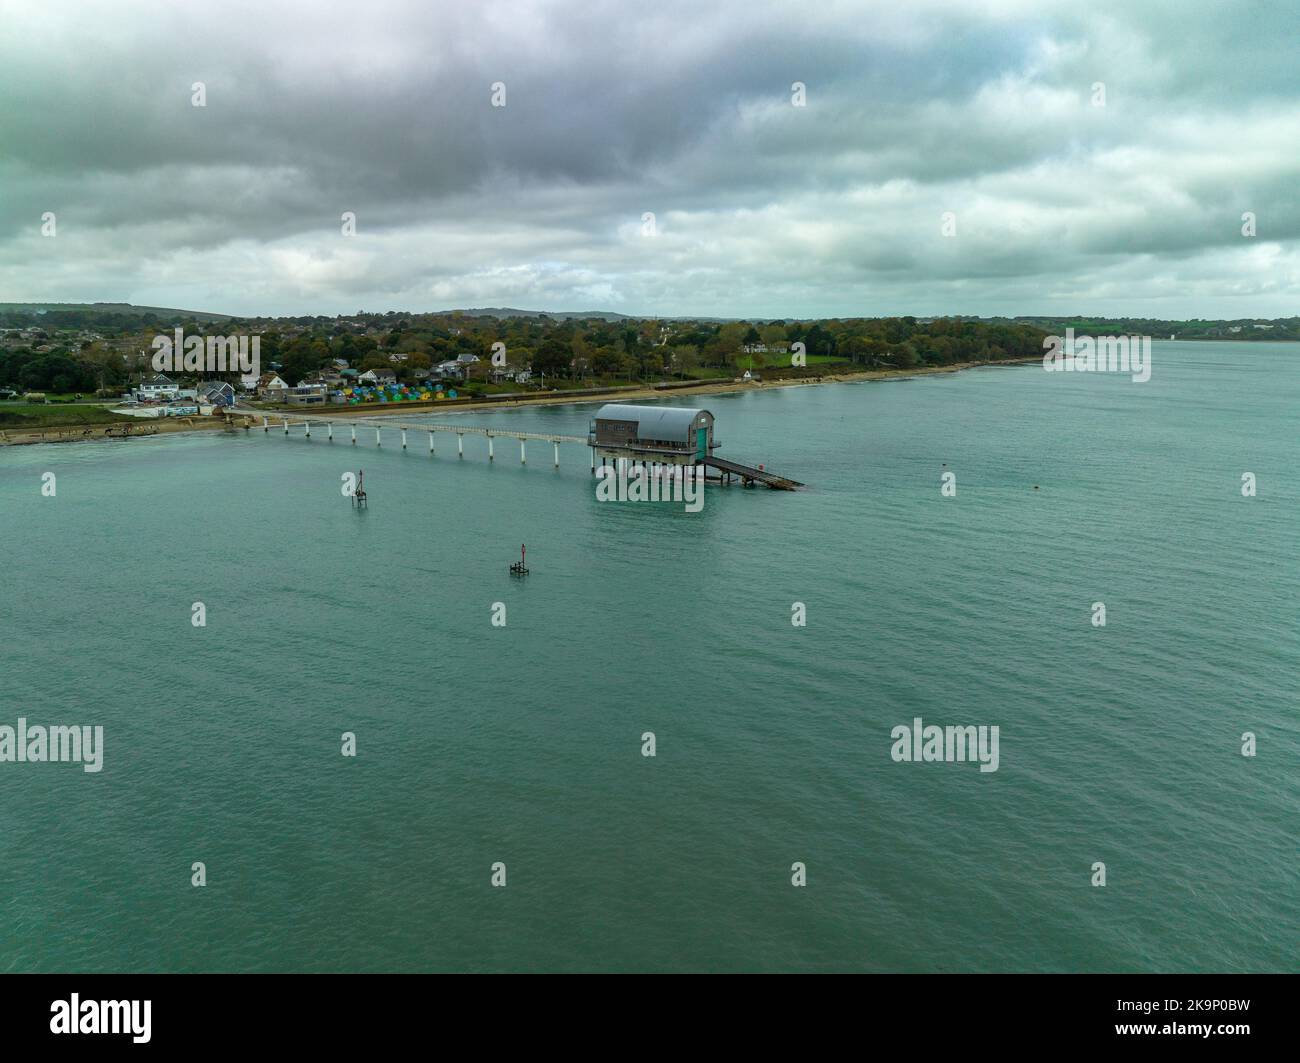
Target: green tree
column 685, row 360
column 552, row 358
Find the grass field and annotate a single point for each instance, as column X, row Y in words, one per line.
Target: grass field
column 39, row 415
column 68, row 397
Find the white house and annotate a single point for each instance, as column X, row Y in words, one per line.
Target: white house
column 160, row 387
column 270, row 386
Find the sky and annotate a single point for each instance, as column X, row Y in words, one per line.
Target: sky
column 991, row 158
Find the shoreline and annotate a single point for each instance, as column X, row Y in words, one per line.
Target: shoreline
column 112, row 430
column 634, row 392
column 139, row 428
column 732, row 387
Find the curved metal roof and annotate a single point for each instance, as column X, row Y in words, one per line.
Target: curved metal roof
column 654, row 422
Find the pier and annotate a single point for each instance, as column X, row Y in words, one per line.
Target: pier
column 287, row 421
column 658, row 438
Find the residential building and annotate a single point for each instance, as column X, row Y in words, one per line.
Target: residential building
column 217, row 393
column 156, row 389
column 271, row 387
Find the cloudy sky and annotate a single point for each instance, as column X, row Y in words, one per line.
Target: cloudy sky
column 614, row 110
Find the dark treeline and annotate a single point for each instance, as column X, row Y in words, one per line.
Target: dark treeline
column 77, row 350
column 1282, row 328
column 68, row 351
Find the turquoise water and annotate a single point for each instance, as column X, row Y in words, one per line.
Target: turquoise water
column 522, row 744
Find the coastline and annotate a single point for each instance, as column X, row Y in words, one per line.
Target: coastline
column 75, row 433
column 647, row 392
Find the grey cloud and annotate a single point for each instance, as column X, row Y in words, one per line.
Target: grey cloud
column 681, row 109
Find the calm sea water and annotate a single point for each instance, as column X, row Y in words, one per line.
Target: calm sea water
column 522, row 744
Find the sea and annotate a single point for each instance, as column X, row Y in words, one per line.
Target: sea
column 373, row 749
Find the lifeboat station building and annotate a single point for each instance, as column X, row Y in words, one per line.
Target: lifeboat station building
column 653, row 435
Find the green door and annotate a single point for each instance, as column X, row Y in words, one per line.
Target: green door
column 701, row 442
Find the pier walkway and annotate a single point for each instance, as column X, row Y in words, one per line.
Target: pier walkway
column 287, row 420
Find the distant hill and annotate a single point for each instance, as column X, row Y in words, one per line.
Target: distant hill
column 172, row 314
column 556, row 315
column 573, row 315
column 40, row 309
column 1160, row 328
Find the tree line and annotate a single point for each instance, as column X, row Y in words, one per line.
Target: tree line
column 577, row 349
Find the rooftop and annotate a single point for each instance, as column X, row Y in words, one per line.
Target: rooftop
column 654, row 422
